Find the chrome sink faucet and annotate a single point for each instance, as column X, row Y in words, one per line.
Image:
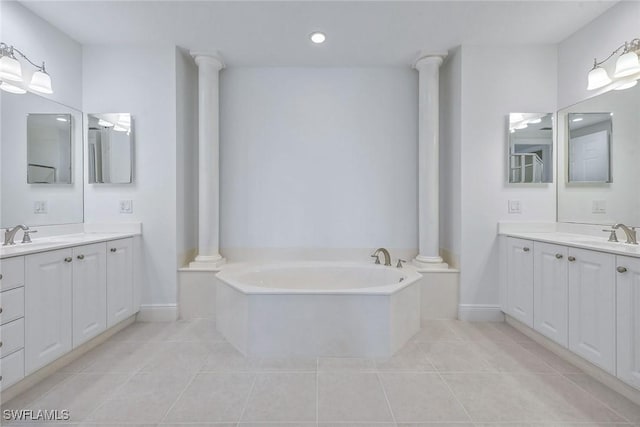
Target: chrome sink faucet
column 385, row 253
column 629, row 231
column 10, row 234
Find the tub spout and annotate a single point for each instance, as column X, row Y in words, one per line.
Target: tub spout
column 385, row 253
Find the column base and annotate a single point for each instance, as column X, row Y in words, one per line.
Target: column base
column 430, row 263
column 212, row 262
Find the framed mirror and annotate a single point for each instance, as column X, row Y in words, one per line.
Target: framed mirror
column 110, row 148
column 530, row 148
column 589, row 147
column 49, row 149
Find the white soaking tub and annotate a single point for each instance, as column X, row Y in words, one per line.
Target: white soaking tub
column 311, row 309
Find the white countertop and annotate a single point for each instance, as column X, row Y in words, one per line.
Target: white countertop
column 60, row 242
column 582, row 241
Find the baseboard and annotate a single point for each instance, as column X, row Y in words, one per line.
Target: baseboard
column 157, row 313
column 480, row 313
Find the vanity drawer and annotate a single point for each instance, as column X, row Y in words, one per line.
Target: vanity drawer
column 12, row 272
column 11, row 369
column 12, row 305
column 11, row 337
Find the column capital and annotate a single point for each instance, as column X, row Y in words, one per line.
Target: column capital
column 209, row 58
column 426, row 58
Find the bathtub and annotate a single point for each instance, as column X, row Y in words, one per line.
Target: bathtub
column 313, row 309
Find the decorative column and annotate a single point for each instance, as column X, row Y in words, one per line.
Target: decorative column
column 209, row 66
column 428, row 66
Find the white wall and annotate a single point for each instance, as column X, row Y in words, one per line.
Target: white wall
column 495, row 82
column 595, row 40
column 140, row 81
column 318, row 158
column 186, row 156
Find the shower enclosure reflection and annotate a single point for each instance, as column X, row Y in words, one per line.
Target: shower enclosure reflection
column 530, row 147
column 110, row 148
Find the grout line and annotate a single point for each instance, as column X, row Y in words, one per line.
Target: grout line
column 246, row 401
column 317, row 393
column 386, row 398
column 166, row 414
column 455, row 397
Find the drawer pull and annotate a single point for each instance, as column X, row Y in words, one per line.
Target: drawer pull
column 525, row 249
column 571, row 258
column 113, row 249
column 68, row 259
column 621, row 269
column 0, row 310
column 559, row 256
column 80, row 256
column 0, row 343
column 0, row 276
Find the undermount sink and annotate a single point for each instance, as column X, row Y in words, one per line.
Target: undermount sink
column 621, row 246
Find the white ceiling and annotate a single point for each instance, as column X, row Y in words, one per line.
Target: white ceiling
column 359, row 33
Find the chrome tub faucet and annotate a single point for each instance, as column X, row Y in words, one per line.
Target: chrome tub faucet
column 385, row 253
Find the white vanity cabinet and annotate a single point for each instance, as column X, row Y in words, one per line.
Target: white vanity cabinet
column 120, row 289
column 48, row 317
column 89, row 292
column 592, row 307
column 11, row 321
column 628, row 319
column 551, row 292
column 520, row 280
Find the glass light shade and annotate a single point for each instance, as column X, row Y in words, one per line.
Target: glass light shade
column 41, row 82
column 7, row 87
column 626, row 84
column 627, row 65
column 10, row 69
column 598, row 78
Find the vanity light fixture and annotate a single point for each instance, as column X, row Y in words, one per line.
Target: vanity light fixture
column 317, row 37
column 626, row 72
column 11, row 72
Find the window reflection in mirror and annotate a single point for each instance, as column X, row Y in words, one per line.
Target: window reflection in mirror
column 589, row 147
column 110, row 148
column 530, row 147
column 49, row 149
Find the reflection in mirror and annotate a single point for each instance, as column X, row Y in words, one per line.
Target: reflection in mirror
column 530, row 147
column 602, row 201
column 49, row 149
column 589, row 147
column 110, row 148
column 31, row 134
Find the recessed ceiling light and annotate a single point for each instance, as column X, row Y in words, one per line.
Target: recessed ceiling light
column 577, row 119
column 61, row 119
column 317, row 37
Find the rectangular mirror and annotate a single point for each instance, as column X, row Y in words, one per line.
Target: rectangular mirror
column 41, row 161
column 110, row 148
column 530, row 148
column 49, row 149
column 598, row 158
column 589, row 147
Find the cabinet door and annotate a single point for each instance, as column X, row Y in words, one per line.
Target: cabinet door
column 592, row 291
column 47, row 307
column 89, row 292
column 550, row 292
column 520, row 280
column 119, row 280
column 628, row 283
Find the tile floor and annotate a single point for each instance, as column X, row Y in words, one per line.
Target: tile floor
column 451, row 374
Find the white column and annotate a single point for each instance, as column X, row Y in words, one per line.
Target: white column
column 209, row 66
column 428, row 67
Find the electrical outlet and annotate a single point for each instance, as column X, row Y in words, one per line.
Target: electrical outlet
column 515, row 207
column 40, row 207
column 599, row 206
column 126, row 206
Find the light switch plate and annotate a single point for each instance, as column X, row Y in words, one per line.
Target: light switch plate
column 515, row 207
column 126, row 206
column 40, row 207
column 599, row 206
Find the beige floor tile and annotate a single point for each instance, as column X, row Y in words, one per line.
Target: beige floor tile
column 441, row 425
column 613, row 400
column 121, row 357
column 421, row 398
column 436, row 330
column 283, row 396
column 511, row 332
column 349, row 396
column 477, row 331
column 199, row 330
column 552, row 424
column 225, row 358
column 410, row 358
column 148, row 331
column 23, row 400
column 512, row 357
column 146, row 397
column 189, row 356
column 288, row 364
column 456, row 356
column 553, row 360
column 213, row 397
column 279, row 423
column 339, row 364
column 348, row 424
column 81, row 394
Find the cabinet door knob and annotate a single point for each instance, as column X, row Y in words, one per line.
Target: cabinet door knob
column 621, row 269
column 68, row 259
column 0, row 310
column 113, row 249
column 571, row 258
column 525, row 249
column 0, row 343
column 0, row 276
column 559, row 256
column 80, row 256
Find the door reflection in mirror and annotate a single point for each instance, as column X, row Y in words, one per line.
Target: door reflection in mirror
column 530, row 147
column 49, row 149
column 590, row 147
